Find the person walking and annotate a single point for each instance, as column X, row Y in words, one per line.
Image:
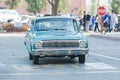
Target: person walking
column 112, row 21
column 96, row 23
column 72, row 13
column 108, row 23
column 84, row 20
column 104, row 23
column 101, row 24
column 92, row 23
column 88, row 21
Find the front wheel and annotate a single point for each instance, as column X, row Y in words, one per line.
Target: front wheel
column 30, row 56
column 35, row 60
column 81, row 59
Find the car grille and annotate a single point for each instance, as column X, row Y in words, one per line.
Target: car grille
column 60, row 43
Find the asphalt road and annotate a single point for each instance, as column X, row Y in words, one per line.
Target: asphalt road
column 102, row 62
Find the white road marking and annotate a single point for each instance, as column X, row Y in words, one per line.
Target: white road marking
column 59, row 73
column 87, row 66
column 98, row 66
column 22, row 67
column 17, row 68
column 110, row 48
column 104, row 56
column 13, row 57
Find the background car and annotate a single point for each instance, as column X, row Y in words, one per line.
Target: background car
column 7, row 15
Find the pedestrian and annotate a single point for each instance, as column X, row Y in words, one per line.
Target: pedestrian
column 84, row 20
column 88, row 21
column 72, row 13
column 108, row 23
column 92, row 23
column 101, row 24
column 96, row 23
column 113, row 21
column 116, row 23
column 104, row 23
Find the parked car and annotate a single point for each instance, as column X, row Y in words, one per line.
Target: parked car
column 55, row 36
column 6, row 15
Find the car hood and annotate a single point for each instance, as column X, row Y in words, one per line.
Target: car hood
column 59, row 35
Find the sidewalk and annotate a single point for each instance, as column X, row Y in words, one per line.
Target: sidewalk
column 111, row 36
column 12, row 34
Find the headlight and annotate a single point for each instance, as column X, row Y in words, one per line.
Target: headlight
column 82, row 44
column 38, row 44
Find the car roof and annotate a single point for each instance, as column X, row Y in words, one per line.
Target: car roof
column 46, row 17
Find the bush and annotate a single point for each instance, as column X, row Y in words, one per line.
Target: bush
column 22, row 29
column 9, row 27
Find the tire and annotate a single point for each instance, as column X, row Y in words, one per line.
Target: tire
column 24, row 43
column 81, row 59
column 30, row 56
column 35, row 60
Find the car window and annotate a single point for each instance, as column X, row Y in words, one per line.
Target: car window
column 55, row 24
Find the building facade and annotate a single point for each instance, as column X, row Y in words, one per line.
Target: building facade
column 77, row 5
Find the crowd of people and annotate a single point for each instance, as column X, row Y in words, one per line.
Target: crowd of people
column 102, row 24
column 97, row 23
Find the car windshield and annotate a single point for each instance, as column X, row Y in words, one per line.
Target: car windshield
column 62, row 24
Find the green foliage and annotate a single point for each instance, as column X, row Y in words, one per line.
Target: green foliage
column 35, row 5
column 12, row 3
column 63, row 5
column 115, row 4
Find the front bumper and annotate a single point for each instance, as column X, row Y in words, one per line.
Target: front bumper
column 60, row 51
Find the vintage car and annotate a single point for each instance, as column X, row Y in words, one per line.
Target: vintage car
column 55, row 36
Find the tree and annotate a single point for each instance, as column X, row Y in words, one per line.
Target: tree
column 63, row 5
column 115, row 4
column 54, row 4
column 12, row 3
column 35, row 5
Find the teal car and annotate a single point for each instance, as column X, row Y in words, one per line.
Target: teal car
column 55, row 36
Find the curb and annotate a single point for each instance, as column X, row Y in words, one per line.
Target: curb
column 11, row 34
column 106, row 37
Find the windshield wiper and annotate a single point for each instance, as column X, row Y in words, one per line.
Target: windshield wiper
column 59, row 29
column 43, row 30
